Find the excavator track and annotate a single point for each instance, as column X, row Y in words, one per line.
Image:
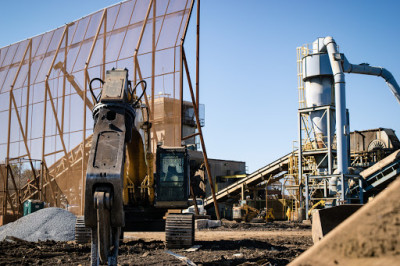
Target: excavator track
column 179, row 230
column 82, row 233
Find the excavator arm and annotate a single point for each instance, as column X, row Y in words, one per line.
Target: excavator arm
column 114, row 117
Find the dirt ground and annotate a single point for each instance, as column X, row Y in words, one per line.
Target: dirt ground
column 275, row 243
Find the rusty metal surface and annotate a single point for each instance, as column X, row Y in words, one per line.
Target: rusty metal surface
column 113, row 124
column 325, row 220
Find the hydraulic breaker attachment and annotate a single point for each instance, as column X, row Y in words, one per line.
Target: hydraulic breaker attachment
column 106, row 162
column 113, row 120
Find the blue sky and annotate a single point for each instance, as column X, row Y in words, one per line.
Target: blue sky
column 248, row 63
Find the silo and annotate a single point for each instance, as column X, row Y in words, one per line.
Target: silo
column 319, row 91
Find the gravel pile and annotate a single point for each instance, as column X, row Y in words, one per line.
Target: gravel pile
column 46, row 224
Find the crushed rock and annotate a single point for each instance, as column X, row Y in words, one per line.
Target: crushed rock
column 46, row 224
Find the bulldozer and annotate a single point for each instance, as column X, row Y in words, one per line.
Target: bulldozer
column 121, row 190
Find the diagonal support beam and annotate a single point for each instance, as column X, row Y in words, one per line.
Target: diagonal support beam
column 203, row 145
column 103, row 21
column 146, row 99
column 75, row 85
column 48, row 93
column 135, row 54
column 17, row 195
column 12, row 100
column 56, row 119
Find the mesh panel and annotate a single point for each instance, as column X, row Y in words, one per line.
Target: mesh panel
column 62, row 106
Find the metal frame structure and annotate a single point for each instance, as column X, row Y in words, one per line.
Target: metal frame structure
column 308, row 146
column 54, row 69
column 311, row 153
column 324, row 68
column 309, row 177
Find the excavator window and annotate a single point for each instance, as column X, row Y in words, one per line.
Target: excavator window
column 172, row 167
column 172, row 172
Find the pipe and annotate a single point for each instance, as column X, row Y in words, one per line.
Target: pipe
column 374, row 71
column 339, row 65
column 340, row 101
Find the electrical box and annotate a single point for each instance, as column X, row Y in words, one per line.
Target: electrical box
column 31, row 206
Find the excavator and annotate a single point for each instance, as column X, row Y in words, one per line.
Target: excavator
column 121, row 190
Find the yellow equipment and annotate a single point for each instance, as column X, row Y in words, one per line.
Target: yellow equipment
column 320, row 204
column 248, row 214
column 270, row 215
column 120, row 185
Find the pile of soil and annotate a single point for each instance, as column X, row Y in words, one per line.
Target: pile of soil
column 268, row 226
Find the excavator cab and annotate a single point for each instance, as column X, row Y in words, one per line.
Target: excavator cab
column 172, row 192
column 172, row 177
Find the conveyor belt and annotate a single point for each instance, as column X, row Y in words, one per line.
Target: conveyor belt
column 383, row 172
column 253, row 179
column 379, row 175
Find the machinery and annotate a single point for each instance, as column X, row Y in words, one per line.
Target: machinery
column 324, row 132
column 324, row 170
column 121, row 190
column 244, row 213
column 247, row 214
